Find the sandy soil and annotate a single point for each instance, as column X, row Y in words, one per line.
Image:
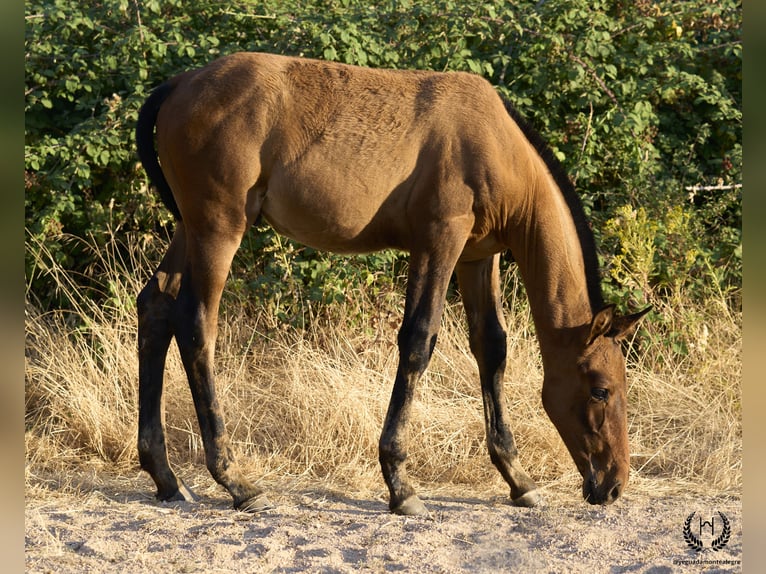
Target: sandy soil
column 118, row 527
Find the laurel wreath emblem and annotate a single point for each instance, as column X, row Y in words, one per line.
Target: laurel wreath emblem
column 697, row 545
column 692, row 541
column 723, row 539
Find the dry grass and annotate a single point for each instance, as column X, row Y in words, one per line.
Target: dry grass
column 309, row 405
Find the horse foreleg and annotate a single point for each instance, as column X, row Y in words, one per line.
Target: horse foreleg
column 415, row 351
column 480, row 287
column 155, row 330
column 427, row 283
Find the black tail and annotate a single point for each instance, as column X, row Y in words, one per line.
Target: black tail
column 147, row 117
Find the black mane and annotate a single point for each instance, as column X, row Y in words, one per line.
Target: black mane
column 584, row 232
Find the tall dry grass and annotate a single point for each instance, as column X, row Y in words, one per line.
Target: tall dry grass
column 308, row 405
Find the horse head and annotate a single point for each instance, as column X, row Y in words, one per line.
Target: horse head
column 586, row 399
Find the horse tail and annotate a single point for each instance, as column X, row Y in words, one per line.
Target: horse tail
column 147, row 118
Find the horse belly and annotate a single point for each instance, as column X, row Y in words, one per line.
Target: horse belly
column 330, row 222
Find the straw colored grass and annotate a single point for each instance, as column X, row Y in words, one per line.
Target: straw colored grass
column 308, row 405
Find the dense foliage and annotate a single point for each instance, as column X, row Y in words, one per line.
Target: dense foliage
column 641, row 101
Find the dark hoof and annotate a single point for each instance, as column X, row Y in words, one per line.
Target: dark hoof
column 529, row 499
column 412, row 506
column 254, row 504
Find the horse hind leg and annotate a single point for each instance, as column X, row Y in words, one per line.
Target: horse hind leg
column 210, row 251
column 155, row 331
column 480, row 288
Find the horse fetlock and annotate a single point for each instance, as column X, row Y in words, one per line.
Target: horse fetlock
column 403, row 499
column 520, row 482
column 502, row 450
column 247, row 497
column 524, row 490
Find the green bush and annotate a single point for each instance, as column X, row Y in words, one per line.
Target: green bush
column 640, row 100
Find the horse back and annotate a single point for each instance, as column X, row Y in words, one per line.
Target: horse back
column 336, row 156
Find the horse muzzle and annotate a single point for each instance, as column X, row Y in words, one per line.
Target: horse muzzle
column 604, row 493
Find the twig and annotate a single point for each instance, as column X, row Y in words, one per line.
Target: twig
column 599, row 81
column 584, row 140
column 140, row 25
column 245, row 15
column 712, row 187
column 587, row 129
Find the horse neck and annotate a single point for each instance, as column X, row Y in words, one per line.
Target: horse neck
column 549, row 253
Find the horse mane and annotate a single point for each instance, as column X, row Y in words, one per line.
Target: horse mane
column 560, row 176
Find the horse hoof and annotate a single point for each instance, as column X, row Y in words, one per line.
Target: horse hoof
column 412, row 506
column 255, row 504
column 528, row 499
column 182, row 494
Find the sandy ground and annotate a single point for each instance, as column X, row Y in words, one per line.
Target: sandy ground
column 118, row 527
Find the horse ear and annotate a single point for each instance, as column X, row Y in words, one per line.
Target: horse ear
column 601, row 323
column 623, row 326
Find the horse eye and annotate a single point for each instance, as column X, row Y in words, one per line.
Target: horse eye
column 599, row 394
